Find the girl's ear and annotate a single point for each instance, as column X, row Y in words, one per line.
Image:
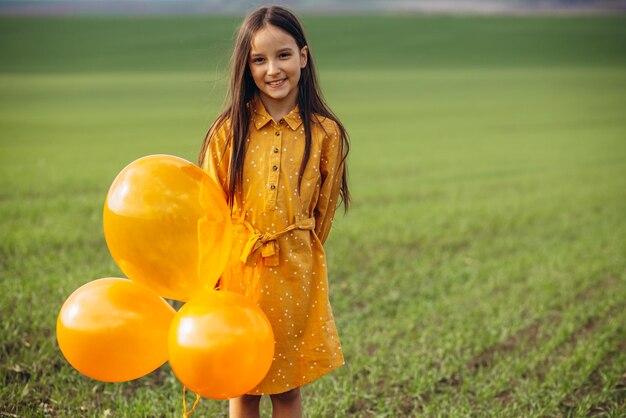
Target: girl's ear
column 304, row 56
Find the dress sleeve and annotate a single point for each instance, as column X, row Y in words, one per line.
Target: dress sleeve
column 217, row 159
column 331, row 170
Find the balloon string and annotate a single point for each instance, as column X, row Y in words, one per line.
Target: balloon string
column 185, row 412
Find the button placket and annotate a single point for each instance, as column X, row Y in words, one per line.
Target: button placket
column 274, row 168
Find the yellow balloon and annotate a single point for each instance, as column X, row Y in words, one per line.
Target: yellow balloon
column 167, row 225
column 221, row 344
column 114, row 330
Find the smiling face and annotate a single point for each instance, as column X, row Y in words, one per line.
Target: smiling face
column 275, row 64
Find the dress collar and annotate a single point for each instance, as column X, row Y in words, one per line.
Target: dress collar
column 261, row 117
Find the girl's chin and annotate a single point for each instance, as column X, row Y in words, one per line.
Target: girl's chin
column 275, row 95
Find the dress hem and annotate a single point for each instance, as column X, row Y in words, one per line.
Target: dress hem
column 305, row 381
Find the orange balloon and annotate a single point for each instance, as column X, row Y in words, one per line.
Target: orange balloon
column 221, row 344
column 114, row 330
column 167, row 225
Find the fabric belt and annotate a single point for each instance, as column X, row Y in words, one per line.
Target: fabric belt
column 265, row 245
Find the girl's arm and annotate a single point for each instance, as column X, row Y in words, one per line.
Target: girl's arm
column 217, row 160
column 331, row 169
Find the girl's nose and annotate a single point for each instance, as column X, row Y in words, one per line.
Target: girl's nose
column 272, row 67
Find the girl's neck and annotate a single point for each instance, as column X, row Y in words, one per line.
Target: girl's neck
column 278, row 108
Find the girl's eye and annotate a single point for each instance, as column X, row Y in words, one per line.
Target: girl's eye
column 257, row 60
column 284, row 55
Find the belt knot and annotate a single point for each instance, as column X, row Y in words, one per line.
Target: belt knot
column 265, row 245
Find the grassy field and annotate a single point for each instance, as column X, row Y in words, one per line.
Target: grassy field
column 481, row 270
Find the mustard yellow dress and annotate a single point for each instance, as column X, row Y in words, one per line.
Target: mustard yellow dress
column 277, row 247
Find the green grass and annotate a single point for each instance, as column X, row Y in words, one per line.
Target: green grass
column 481, row 270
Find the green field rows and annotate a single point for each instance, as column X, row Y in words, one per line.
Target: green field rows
column 481, row 270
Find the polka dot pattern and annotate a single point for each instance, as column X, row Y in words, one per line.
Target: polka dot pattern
column 293, row 291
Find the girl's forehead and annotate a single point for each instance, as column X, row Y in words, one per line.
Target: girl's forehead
column 271, row 38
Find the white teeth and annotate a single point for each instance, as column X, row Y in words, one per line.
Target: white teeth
column 275, row 83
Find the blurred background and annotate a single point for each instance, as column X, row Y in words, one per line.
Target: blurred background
column 311, row 6
column 481, row 270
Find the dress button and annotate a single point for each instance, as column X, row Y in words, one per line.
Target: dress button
column 275, row 150
column 272, row 186
column 277, row 133
column 282, row 121
column 275, row 168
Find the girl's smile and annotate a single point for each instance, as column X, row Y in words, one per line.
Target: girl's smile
column 277, row 83
column 275, row 64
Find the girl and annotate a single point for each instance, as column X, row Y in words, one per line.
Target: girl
column 279, row 154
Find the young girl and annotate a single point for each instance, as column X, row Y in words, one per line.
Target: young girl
column 279, row 154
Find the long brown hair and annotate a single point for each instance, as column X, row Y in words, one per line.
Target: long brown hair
column 242, row 89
